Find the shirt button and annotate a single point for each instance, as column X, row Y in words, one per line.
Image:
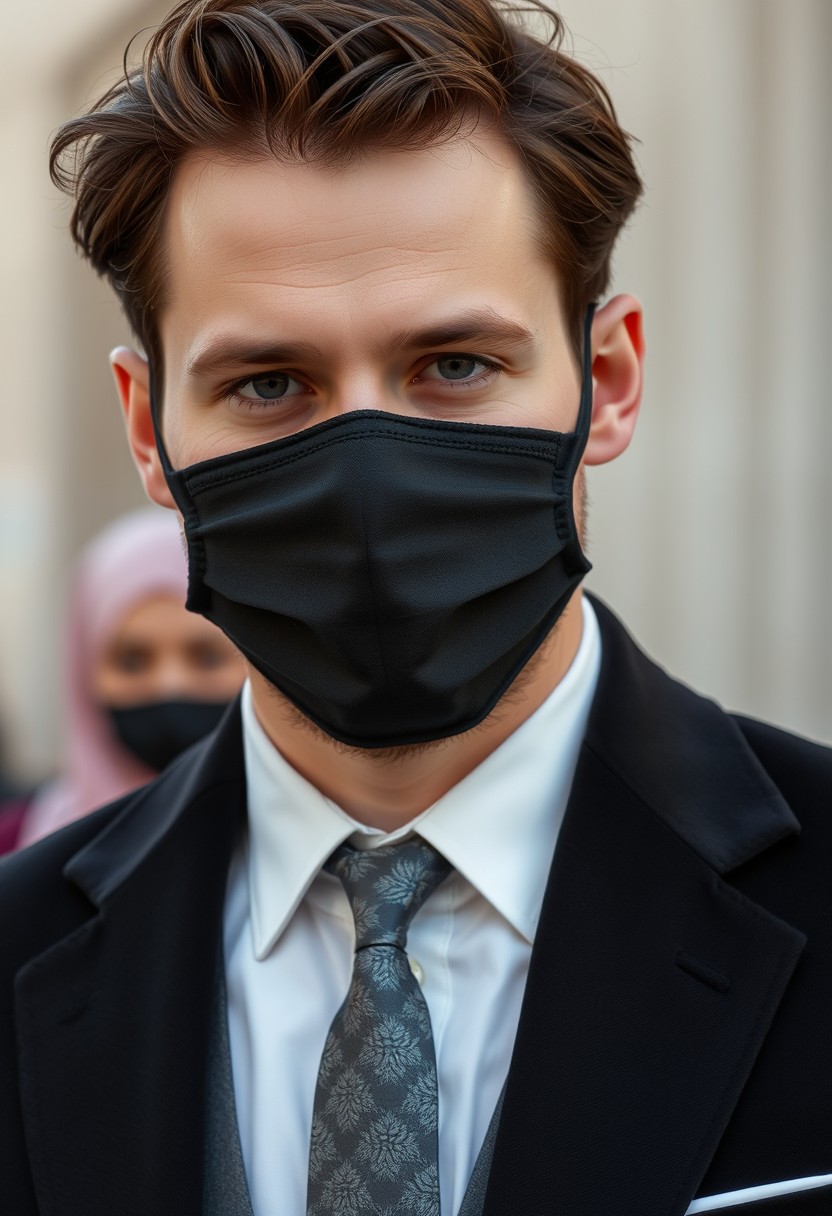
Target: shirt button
column 417, row 970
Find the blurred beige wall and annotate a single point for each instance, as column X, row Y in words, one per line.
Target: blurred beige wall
column 710, row 536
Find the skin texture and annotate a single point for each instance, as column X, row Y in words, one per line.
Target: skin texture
column 161, row 652
column 348, row 289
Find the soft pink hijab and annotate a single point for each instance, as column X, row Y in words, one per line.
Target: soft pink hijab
column 138, row 556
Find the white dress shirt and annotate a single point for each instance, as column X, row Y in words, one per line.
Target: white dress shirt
column 289, row 935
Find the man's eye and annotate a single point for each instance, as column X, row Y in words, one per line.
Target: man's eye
column 461, row 367
column 271, row 387
column 457, row 367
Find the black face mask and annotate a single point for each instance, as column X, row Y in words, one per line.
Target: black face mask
column 390, row 575
column 158, row 731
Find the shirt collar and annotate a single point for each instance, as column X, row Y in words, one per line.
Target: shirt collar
column 498, row 826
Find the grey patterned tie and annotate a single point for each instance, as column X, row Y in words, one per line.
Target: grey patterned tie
column 374, row 1149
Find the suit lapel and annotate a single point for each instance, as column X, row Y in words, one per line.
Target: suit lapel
column 113, row 1057
column 652, row 982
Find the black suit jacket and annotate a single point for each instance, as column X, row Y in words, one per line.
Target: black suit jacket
column 676, row 1031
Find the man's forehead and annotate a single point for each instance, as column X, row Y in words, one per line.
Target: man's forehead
column 334, row 257
column 415, row 201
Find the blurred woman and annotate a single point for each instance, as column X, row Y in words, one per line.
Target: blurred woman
column 144, row 678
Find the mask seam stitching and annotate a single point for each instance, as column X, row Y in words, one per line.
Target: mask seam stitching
column 207, row 481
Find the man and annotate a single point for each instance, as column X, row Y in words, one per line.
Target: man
column 364, row 247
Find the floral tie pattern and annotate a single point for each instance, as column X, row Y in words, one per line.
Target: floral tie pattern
column 374, row 1147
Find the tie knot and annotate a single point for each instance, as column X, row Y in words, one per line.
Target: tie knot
column 386, row 887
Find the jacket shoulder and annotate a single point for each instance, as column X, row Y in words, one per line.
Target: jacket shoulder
column 799, row 767
column 775, row 740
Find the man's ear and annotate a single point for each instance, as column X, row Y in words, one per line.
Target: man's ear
column 132, row 376
column 617, row 375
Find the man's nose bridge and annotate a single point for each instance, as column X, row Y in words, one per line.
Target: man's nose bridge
column 369, row 384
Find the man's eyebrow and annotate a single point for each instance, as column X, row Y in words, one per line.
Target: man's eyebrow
column 479, row 325
column 227, row 354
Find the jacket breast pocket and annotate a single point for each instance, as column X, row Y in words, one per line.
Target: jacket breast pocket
column 798, row 1200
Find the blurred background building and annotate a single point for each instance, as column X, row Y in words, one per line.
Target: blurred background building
column 711, row 536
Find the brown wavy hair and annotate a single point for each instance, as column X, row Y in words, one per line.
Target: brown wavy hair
column 326, row 81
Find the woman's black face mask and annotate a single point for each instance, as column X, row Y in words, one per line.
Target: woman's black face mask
column 390, row 575
column 156, row 732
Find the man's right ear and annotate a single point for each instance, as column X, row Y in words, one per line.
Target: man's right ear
column 132, row 376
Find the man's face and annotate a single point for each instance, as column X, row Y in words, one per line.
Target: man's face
column 411, row 282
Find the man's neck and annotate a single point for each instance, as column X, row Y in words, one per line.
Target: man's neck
column 389, row 788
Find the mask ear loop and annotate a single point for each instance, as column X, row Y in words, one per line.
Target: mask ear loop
column 174, row 478
column 198, row 594
column 564, row 480
column 585, row 408
column 167, row 467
